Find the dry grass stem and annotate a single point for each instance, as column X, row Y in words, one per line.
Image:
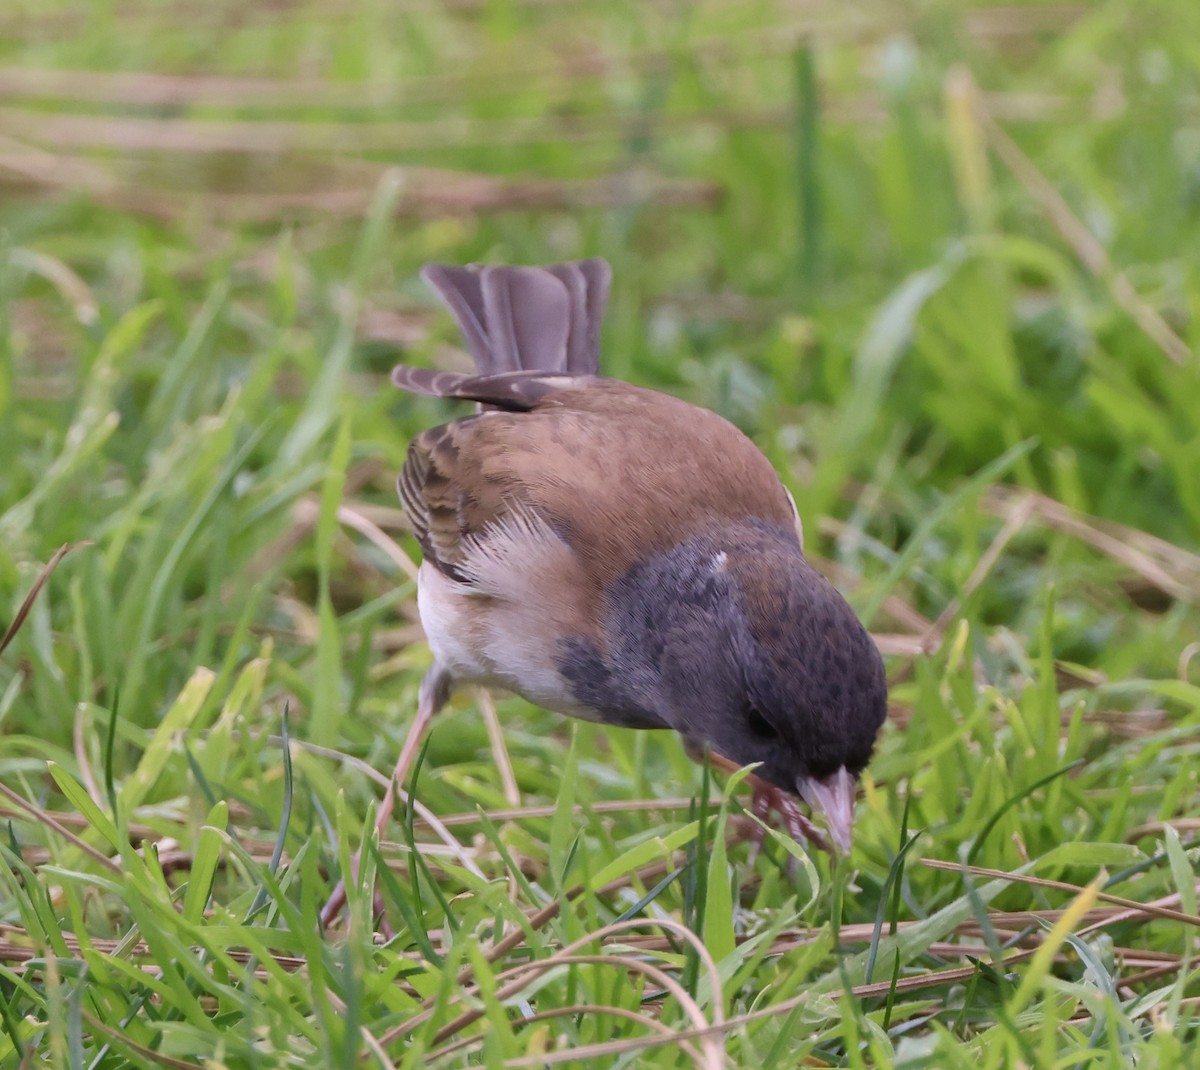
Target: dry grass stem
column 1086, row 246
column 1171, row 569
column 1132, row 906
column 379, row 538
column 44, row 818
column 579, row 1009
column 1013, row 524
column 26, row 605
column 498, row 747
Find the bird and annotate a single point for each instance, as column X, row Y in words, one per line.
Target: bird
column 617, row 554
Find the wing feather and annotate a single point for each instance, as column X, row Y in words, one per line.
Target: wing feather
column 517, row 391
column 617, row 471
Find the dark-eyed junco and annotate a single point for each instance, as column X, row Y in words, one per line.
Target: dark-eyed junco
column 616, row 554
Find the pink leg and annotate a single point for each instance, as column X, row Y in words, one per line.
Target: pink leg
column 765, row 798
column 435, row 690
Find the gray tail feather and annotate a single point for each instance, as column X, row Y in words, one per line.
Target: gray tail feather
column 527, row 318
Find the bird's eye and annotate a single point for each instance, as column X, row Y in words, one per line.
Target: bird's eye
column 759, row 725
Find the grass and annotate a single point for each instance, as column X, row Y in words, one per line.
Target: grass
column 937, row 258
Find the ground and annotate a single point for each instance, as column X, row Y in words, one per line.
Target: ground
column 937, row 258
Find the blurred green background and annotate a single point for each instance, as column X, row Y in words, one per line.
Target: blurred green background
column 940, row 258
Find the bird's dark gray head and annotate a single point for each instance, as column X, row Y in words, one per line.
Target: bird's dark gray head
column 737, row 642
column 767, row 663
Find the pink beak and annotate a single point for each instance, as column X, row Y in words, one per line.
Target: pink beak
column 833, row 797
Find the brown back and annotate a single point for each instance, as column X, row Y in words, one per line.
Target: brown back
column 618, row 471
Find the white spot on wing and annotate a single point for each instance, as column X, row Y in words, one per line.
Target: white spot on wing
column 796, row 514
column 719, row 560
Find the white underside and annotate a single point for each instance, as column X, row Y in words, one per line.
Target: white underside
column 504, row 628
